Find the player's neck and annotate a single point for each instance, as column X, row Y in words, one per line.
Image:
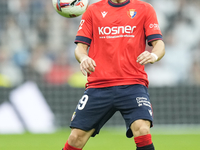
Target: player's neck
column 118, row 1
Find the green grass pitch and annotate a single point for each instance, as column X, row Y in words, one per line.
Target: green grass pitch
column 106, row 140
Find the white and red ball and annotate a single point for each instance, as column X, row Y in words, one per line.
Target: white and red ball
column 70, row 8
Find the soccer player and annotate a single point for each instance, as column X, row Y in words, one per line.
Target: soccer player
column 116, row 32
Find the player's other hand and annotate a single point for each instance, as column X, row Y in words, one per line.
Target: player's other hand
column 145, row 58
column 87, row 65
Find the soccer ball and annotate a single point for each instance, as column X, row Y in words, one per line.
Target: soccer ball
column 70, row 8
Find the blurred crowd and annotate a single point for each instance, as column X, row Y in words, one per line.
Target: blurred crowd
column 180, row 24
column 37, row 44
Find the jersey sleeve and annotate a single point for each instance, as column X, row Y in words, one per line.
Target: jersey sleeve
column 152, row 30
column 84, row 34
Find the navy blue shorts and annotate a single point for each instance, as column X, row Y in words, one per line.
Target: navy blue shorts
column 98, row 105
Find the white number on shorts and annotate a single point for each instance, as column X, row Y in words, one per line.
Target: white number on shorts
column 82, row 102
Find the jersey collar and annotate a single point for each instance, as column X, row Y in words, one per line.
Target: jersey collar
column 118, row 4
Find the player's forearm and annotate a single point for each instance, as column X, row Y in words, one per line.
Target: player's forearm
column 158, row 48
column 87, row 64
column 81, row 52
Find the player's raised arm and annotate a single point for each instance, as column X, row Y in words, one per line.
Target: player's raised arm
column 157, row 53
column 86, row 63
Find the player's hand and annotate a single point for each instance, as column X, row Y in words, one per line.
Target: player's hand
column 145, row 58
column 87, row 65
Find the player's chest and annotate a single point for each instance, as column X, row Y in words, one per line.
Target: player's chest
column 119, row 17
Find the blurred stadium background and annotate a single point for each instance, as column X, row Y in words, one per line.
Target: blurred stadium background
column 36, row 45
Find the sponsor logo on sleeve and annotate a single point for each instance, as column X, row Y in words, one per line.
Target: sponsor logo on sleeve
column 81, row 24
column 154, row 26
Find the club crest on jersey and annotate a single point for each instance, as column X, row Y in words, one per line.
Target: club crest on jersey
column 131, row 13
